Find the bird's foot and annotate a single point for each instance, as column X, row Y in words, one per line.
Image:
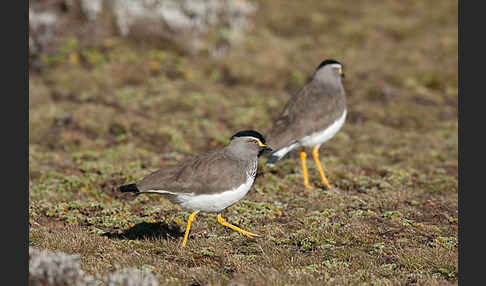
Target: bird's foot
column 233, row 227
column 326, row 185
column 249, row 234
column 308, row 186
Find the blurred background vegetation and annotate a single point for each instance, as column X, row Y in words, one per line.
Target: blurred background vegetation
column 119, row 88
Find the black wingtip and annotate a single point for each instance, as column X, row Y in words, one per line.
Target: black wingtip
column 272, row 160
column 130, row 188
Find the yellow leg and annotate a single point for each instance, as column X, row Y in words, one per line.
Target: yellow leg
column 303, row 157
column 244, row 232
column 315, row 154
column 189, row 222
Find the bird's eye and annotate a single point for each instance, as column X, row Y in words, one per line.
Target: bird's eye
column 254, row 141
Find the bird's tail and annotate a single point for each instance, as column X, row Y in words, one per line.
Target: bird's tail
column 277, row 155
column 130, row 188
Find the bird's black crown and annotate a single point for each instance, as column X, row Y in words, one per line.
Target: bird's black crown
column 251, row 133
column 328, row 62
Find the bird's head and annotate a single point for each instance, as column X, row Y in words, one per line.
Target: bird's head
column 248, row 144
column 329, row 70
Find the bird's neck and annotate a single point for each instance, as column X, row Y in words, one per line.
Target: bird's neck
column 335, row 87
column 238, row 155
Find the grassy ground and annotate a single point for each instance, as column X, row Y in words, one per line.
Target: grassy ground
column 135, row 107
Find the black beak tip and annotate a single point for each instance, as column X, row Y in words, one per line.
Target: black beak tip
column 264, row 150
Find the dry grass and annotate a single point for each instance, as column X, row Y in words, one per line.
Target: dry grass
column 135, row 108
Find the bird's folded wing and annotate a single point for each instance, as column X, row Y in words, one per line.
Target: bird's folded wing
column 205, row 174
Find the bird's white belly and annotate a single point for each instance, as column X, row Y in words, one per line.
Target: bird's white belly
column 214, row 202
column 317, row 138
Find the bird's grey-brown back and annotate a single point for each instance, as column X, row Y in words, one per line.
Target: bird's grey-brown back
column 208, row 173
column 316, row 106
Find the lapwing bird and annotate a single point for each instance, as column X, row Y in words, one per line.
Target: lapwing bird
column 209, row 182
column 311, row 117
